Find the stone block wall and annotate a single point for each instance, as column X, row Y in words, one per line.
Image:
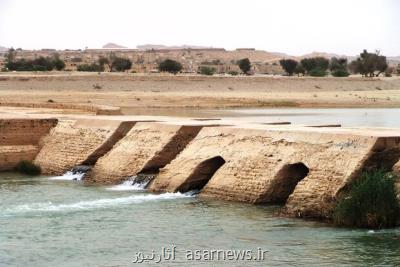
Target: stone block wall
column 256, row 162
column 20, row 139
column 146, row 148
column 72, row 142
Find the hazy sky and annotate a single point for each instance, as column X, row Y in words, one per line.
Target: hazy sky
column 291, row 26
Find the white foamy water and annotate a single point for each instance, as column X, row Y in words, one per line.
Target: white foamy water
column 92, row 204
column 129, row 185
column 69, row 176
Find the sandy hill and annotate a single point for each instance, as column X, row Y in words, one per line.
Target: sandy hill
column 326, row 55
column 113, row 46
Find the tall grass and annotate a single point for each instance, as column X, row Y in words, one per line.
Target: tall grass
column 371, row 203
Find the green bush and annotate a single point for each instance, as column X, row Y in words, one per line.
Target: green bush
column 233, row 73
column 27, row 167
column 371, row 203
column 90, row 67
column 37, row 64
column 340, row 73
column 244, row 65
column 317, row 72
column 289, row 65
column 207, row 70
column 316, row 64
column 121, row 64
column 170, row 65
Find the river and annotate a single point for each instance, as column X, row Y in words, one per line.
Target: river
column 47, row 222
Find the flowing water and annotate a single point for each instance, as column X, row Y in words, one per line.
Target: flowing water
column 53, row 222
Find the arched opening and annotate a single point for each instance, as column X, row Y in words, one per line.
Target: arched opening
column 201, row 174
column 284, row 183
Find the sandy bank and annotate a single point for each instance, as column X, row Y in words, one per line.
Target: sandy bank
column 133, row 90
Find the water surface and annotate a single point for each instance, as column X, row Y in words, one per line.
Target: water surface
column 47, row 222
column 349, row 117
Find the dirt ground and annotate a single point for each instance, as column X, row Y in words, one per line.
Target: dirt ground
column 190, row 91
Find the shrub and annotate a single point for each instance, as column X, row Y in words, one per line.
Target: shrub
column 170, row 65
column 315, row 64
column 90, row 67
column 340, row 73
column 207, row 70
column 317, row 72
column 58, row 64
column 371, row 203
column 289, row 65
column 233, row 73
column 121, row 64
column 37, row 64
column 245, row 65
column 338, row 67
column 27, row 167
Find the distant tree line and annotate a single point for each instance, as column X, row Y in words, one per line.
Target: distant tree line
column 37, row 64
column 113, row 62
column 367, row 64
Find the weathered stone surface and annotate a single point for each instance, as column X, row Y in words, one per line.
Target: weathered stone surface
column 146, row 148
column 24, row 131
column 396, row 169
column 256, row 159
column 11, row 155
column 19, row 139
column 72, row 142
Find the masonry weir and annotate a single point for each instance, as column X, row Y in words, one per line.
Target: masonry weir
column 303, row 168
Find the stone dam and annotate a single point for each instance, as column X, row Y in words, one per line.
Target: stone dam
column 304, row 168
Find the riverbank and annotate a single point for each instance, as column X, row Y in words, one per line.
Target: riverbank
column 188, row 91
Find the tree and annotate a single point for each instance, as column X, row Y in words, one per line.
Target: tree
column 315, row 66
column 338, row 67
column 121, row 64
column 300, row 70
column 11, row 55
column 103, row 61
column 108, row 60
column 58, row 64
column 369, row 64
column 398, row 69
column 245, row 65
column 289, row 65
column 170, row 66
